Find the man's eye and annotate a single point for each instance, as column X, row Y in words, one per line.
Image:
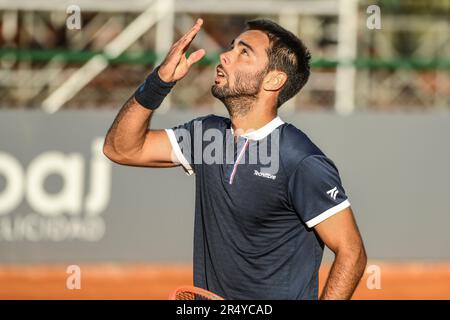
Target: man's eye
column 244, row 51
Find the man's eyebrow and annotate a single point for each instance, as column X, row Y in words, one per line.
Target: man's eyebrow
column 245, row 44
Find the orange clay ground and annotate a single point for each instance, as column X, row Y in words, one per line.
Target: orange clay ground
column 120, row 281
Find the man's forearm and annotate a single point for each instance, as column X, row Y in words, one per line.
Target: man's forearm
column 344, row 276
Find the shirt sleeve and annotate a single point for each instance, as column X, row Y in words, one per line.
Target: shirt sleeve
column 181, row 138
column 316, row 191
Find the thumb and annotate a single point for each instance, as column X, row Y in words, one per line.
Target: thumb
column 195, row 56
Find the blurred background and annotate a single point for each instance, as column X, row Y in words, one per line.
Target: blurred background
column 377, row 103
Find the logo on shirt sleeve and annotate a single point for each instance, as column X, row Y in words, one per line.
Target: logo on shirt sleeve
column 333, row 193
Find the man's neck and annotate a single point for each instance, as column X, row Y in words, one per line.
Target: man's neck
column 252, row 121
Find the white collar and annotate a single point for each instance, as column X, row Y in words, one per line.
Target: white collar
column 264, row 131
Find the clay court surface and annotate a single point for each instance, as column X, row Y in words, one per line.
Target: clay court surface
column 143, row 281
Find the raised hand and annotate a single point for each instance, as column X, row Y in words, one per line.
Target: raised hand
column 176, row 65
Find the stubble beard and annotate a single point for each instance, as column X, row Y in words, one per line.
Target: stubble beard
column 240, row 100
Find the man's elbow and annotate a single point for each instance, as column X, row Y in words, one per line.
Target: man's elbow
column 364, row 255
column 362, row 258
column 355, row 255
column 112, row 155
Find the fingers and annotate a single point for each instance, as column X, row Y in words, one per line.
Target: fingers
column 185, row 41
column 195, row 29
column 195, row 56
column 176, row 65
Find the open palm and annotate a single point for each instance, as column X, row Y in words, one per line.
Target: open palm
column 176, row 65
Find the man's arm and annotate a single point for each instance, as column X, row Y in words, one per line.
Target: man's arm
column 340, row 233
column 129, row 141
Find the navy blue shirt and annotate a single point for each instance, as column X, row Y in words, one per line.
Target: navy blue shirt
column 258, row 198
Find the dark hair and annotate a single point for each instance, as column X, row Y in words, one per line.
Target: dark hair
column 286, row 53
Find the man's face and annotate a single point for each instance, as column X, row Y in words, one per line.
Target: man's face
column 242, row 68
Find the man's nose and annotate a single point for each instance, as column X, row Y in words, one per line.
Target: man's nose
column 224, row 58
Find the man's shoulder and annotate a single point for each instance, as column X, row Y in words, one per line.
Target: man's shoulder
column 203, row 123
column 295, row 145
column 212, row 121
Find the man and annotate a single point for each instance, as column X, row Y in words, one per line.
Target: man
column 261, row 226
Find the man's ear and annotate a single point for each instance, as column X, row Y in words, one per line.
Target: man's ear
column 274, row 80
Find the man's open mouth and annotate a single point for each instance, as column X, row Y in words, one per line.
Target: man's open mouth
column 220, row 74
